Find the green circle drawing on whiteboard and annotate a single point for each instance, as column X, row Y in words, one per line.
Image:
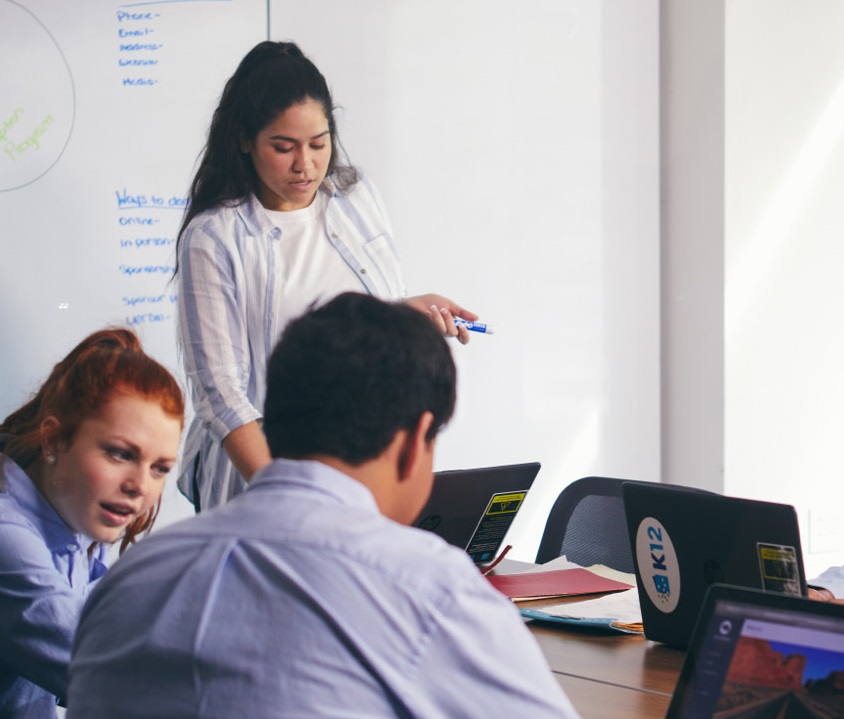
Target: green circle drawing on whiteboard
column 37, row 99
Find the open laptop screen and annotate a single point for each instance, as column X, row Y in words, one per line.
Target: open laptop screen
column 760, row 654
column 474, row 508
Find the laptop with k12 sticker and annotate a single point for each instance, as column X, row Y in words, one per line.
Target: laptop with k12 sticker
column 683, row 541
column 473, row 508
column 762, row 654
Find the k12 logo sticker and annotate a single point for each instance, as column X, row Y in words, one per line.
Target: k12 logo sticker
column 658, row 568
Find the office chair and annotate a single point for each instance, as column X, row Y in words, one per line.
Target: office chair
column 588, row 525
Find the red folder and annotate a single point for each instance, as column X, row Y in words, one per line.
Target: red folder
column 553, row 583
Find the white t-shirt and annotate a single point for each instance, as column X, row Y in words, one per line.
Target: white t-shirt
column 313, row 272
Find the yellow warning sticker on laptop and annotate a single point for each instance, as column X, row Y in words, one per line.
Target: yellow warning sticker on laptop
column 506, row 503
column 496, row 520
column 778, row 565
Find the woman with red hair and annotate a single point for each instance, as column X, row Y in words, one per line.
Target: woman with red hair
column 83, row 466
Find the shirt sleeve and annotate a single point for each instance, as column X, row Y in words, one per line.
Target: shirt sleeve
column 833, row 580
column 213, row 332
column 39, row 610
column 389, row 259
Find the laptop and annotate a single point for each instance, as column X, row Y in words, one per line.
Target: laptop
column 684, row 540
column 473, row 508
column 762, row 654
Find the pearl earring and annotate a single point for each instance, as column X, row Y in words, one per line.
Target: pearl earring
column 50, row 458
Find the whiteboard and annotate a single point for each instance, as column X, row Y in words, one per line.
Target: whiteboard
column 103, row 109
column 515, row 144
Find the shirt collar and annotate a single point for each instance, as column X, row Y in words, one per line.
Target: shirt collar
column 329, row 187
column 256, row 218
column 57, row 535
column 343, row 488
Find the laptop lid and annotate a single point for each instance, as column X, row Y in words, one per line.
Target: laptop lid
column 762, row 654
column 473, row 508
column 685, row 540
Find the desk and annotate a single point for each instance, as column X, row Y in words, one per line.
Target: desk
column 611, row 676
column 607, row 701
column 607, row 676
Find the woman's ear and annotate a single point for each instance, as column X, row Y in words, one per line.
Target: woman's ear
column 245, row 145
column 49, row 432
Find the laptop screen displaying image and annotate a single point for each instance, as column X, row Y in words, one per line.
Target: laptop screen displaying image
column 760, row 654
column 474, row 508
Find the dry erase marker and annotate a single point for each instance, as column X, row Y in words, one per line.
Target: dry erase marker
column 473, row 326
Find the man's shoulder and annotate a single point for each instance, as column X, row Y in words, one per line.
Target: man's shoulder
column 414, row 562
column 167, row 549
column 329, row 543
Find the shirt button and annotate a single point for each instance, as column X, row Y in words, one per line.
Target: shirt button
column 363, row 270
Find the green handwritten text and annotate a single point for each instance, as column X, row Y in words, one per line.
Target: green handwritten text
column 15, row 149
column 11, row 122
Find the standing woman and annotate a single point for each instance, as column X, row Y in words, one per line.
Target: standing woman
column 83, row 466
column 276, row 223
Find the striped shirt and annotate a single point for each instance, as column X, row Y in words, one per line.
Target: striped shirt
column 232, row 311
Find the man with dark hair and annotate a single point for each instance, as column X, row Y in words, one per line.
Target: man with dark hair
column 307, row 596
column 349, row 376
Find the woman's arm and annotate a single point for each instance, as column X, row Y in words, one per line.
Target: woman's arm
column 213, row 333
column 247, row 448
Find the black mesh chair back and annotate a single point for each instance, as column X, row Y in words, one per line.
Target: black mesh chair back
column 588, row 525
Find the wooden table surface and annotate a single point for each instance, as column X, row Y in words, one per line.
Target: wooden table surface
column 611, row 676
column 607, row 675
column 626, row 660
column 607, row 701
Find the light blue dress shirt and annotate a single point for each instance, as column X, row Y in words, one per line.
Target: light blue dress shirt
column 45, row 575
column 299, row 599
column 232, row 313
column 833, row 580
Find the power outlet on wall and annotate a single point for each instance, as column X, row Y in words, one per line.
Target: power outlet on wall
column 826, row 533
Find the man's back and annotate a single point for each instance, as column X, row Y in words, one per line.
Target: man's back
column 301, row 599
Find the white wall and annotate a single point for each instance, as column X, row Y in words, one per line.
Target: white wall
column 692, row 213
column 516, row 145
column 784, row 336
column 752, row 176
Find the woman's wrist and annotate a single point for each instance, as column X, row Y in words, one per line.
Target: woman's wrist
column 820, row 593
